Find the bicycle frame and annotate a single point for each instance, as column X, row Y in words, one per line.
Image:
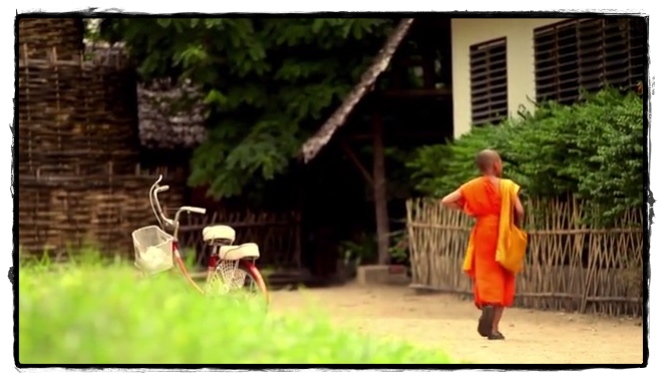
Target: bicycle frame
column 167, row 223
column 173, row 224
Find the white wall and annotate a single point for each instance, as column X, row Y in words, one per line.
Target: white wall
column 519, row 61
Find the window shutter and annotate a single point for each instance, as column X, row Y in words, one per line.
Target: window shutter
column 587, row 54
column 489, row 84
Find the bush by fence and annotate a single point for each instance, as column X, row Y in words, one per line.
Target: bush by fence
column 570, row 265
column 593, row 149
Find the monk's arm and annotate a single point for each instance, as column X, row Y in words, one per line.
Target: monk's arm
column 519, row 210
column 453, row 200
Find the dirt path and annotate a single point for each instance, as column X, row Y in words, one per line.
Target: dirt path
column 445, row 322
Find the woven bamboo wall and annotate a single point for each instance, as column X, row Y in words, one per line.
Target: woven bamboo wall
column 570, row 266
column 175, row 178
column 42, row 34
column 74, row 114
column 78, row 184
column 61, row 214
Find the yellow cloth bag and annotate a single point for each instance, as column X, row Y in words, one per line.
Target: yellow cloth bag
column 511, row 246
column 468, row 263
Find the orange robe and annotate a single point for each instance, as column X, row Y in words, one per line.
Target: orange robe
column 492, row 284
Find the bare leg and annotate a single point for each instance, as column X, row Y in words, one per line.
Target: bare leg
column 486, row 320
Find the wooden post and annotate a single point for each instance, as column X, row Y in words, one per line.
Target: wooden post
column 379, row 185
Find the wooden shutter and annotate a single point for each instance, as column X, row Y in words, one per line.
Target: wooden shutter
column 587, row 54
column 489, row 82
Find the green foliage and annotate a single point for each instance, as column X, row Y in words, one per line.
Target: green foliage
column 614, row 147
column 86, row 255
column 107, row 315
column 438, row 169
column 268, row 82
column 399, row 248
column 362, row 251
column 592, row 149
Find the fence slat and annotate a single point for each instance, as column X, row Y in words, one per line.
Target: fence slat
column 277, row 234
column 569, row 265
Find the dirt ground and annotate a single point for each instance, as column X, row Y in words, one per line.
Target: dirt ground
column 448, row 323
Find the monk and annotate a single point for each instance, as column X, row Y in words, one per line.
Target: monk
column 493, row 286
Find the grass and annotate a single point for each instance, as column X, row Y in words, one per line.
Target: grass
column 93, row 313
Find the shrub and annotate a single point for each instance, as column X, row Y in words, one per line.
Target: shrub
column 99, row 315
column 592, row 149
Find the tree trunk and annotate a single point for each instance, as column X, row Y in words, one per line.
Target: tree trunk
column 379, row 181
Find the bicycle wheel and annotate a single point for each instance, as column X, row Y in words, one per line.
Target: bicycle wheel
column 238, row 278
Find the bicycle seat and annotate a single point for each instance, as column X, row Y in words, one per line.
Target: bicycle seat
column 218, row 232
column 235, row 253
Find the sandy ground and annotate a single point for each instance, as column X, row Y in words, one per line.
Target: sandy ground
column 448, row 323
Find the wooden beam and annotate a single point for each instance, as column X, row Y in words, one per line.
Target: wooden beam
column 379, row 179
column 314, row 144
column 399, row 133
column 428, row 71
column 357, row 162
column 408, row 62
column 422, row 92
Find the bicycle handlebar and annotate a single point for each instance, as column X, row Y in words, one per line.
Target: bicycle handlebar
column 158, row 211
column 193, row 210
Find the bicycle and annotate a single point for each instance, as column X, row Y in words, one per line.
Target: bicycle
column 229, row 267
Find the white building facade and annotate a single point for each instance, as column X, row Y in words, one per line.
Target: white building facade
column 500, row 65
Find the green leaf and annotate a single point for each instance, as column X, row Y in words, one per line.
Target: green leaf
column 164, row 22
column 318, row 24
column 267, row 83
column 592, row 149
column 215, row 96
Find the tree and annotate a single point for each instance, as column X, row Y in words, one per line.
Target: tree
column 268, row 83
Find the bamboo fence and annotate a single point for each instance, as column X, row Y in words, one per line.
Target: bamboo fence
column 277, row 234
column 569, row 265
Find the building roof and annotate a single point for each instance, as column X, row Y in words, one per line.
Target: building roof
column 315, row 143
column 171, row 115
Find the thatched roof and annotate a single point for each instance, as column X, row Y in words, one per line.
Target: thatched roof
column 170, row 115
column 314, row 144
column 106, row 53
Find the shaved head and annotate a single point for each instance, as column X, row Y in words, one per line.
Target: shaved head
column 487, row 160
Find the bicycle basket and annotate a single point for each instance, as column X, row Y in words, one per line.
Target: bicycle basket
column 153, row 249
